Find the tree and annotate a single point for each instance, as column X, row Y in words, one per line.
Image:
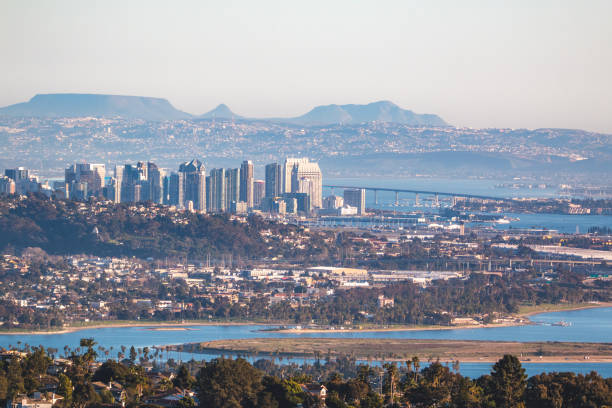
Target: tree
column 391, row 381
column 186, row 402
column 111, row 371
column 65, row 388
column 434, row 386
column 133, row 354
column 183, row 378
column 508, row 383
column 90, row 355
column 3, row 387
column 284, row 393
column 227, row 383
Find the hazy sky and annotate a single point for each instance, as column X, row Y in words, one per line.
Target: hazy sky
column 533, row 63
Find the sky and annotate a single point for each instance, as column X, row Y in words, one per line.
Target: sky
column 517, row 64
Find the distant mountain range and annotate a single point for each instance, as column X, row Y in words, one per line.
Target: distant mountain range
column 383, row 111
column 77, row 105
column 157, row 109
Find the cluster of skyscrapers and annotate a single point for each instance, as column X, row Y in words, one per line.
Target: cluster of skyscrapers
column 20, row 181
column 293, row 186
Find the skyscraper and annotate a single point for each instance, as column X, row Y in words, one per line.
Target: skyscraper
column 217, row 190
column 355, row 197
column 232, row 187
column 287, row 182
column 155, row 183
column 274, row 180
column 118, row 183
column 194, row 184
column 85, row 174
column 259, row 191
column 19, row 173
column 7, row 185
column 246, row 182
column 307, row 178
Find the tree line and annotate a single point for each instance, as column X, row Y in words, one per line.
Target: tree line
column 225, row 382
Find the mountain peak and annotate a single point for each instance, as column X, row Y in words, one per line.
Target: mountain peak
column 222, row 111
column 381, row 111
column 82, row 104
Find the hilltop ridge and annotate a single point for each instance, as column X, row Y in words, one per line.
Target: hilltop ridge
column 157, row 109
column 73, row 105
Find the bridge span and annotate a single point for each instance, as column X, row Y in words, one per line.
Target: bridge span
column 417, row 192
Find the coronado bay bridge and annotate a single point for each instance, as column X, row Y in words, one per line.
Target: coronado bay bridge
column 397, row 191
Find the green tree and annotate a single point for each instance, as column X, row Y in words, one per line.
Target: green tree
column 106, row 396
column 133, row 354
column 186, row 402
column 508, row 383
column 65, row 388
column 91, row 354
column 3, row 386
column 183, row 378
column 227, row 383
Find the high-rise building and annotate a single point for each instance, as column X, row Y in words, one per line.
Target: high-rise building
column 7, row 185
column 90, row 175
column 17, row 174
column 155, row 183
column 232, row 187
column 118, row 183
column 297, row 202
column 208, row 193
column 290, row 163
column 24, row 181
column 332, row 202
column 259, row 191
column 274, row 180
column 307, row 178
column 355, row 197
column 246, row 183
column 217, row 191
column 132, row 175
column 194, row 184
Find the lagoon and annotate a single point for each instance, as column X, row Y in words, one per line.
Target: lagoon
column 588, row 325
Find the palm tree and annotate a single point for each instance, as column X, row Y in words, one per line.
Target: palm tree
column 416, row 364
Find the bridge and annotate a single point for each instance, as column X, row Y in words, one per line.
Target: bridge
column 397, row 191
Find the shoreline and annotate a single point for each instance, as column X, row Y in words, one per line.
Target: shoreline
column 399, row 350
column 155, row 326
column 522, row 317
column 169, row 325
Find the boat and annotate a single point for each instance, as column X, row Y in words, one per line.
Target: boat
column 562, row 323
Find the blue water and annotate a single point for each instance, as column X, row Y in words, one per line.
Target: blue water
column 560, row 222
column 444, row 185
column 386, row 200
column 591, row 325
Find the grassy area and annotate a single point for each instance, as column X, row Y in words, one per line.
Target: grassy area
column 557, row 307
column 401, row 349
column 125, row 323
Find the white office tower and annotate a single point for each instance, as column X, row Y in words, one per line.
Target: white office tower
column 118, row 182
column 307, row 178
column 217, row 191
column 290, row 162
